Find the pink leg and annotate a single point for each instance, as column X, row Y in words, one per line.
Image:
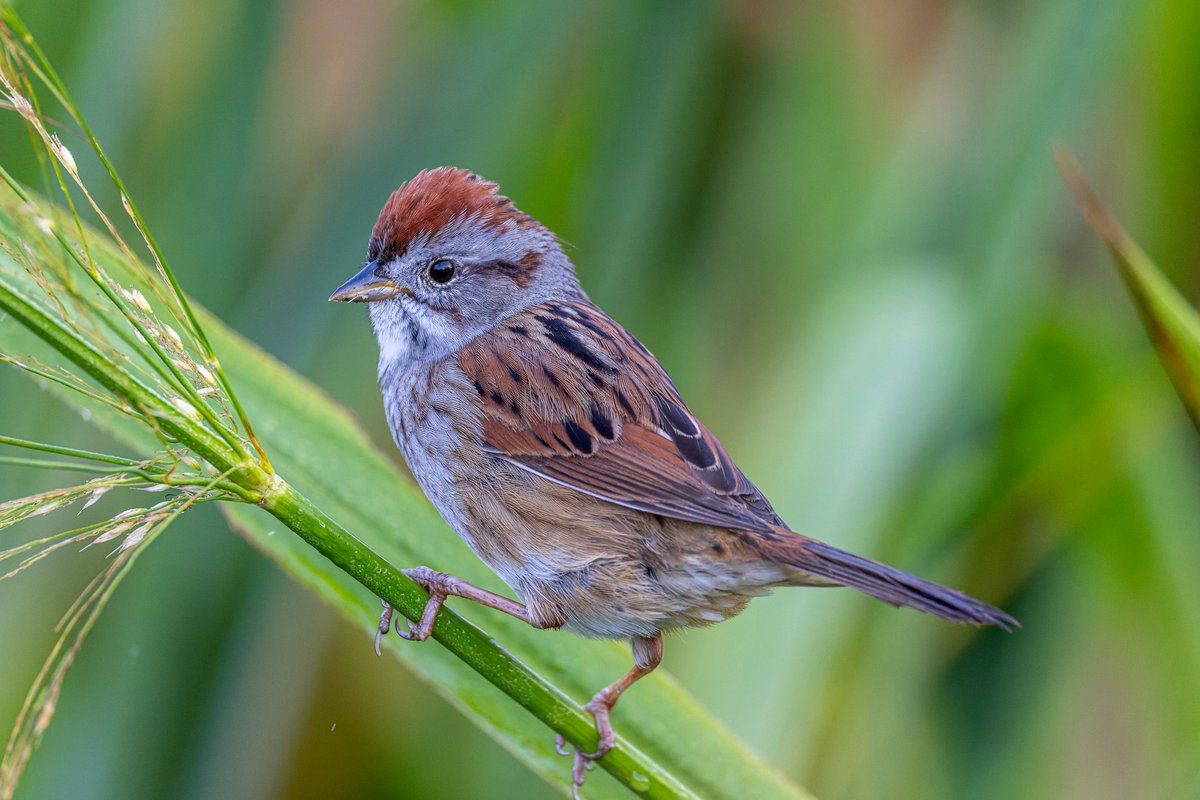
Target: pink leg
column 440, row 586
column 647, row 655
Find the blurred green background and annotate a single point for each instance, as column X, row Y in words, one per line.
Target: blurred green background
column 838, row 226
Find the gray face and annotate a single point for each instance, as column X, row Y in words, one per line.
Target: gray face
column 451, row 287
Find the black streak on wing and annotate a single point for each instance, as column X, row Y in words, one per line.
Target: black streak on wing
column 622, row 433
column 562, row 335
column 686, row 435
column 580, row 438
column 601, row 423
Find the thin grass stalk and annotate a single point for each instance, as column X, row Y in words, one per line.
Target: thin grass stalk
column 62, row 466
column 177, row 379
column 68, row 451
column 108, row 374
column 44, row 693
column 76, row 387
column 52, row 79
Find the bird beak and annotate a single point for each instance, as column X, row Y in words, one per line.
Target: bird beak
column 367, row 287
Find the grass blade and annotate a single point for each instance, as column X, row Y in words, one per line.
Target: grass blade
column 1173, row 325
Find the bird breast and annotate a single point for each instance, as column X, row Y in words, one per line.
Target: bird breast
column 599, row 568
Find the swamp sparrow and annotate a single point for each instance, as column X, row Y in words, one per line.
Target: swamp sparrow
column 558, row 448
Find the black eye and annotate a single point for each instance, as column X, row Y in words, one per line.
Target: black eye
column 441, row 270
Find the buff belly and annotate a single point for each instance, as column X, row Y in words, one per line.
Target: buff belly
column 580, row 562
column 655, row 605
column 606, row 571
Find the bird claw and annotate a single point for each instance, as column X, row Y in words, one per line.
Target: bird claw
column 385, row 624
column 579, row 768
column 420, row 630
column 585, row 762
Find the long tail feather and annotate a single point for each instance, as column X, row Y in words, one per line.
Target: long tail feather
column 886, row 583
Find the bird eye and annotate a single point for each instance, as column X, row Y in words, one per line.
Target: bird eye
column 441, row 270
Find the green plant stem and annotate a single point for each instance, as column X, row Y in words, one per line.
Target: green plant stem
column 113, row 378
column 78, row 388
column 40, row 463
column 176, row 377
column 235, row 491
column 158, row 363
column 69, row 451
column 50, row 75
column 630, row 766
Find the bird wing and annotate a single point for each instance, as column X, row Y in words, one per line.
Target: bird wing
column 567, row 393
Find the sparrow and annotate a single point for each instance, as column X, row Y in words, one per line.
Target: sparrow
column 558, row 448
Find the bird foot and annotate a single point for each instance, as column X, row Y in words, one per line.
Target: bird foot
column 433, row 581
column 582, row 765
column 599, row 707
column 439, row 585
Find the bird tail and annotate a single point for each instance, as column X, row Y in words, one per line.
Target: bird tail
column 885, row 583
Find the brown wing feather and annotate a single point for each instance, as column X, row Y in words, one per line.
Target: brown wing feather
column 568, row 394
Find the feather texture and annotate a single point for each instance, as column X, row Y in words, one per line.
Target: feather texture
column 566, row 393
column 882, row 582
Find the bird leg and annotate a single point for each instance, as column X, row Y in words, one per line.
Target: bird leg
column 440, row 586
column 647, row 654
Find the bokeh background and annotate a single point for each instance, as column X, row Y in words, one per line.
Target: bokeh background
column 836, row 223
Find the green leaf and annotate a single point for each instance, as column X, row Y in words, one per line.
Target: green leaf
column 323, row 454
column 1173, row 325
